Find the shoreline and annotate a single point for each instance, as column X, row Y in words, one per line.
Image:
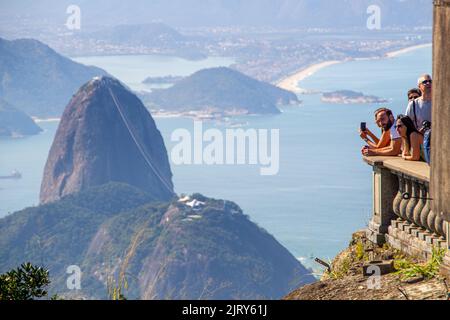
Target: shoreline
column 38, row 120
column 291, row 83
column 396, row 53
column 201, row 115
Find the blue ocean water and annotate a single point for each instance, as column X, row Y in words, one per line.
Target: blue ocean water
column 322, row 193
column 133, row 69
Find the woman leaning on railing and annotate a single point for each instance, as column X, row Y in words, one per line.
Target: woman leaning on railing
column 412, row 139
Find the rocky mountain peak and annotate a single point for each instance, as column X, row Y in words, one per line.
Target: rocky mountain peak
column 106, row 134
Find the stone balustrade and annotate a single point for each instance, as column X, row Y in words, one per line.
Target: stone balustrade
column 402, row 214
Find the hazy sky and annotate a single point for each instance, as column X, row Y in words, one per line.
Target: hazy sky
column 195, row 13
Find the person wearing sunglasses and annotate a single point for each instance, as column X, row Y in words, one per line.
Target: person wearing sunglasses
column 413, row 94
column 412, row 139
column 419, row 109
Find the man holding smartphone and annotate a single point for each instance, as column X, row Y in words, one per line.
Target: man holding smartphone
column 389, row 144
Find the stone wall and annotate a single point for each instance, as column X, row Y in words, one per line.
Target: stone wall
column 440, row 143
column 402, row 207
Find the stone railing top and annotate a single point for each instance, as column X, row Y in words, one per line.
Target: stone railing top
column 416, row 169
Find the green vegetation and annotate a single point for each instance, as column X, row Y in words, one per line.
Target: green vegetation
column 341, row 269
column 360, row 251
column 116, row 288
column 221, row 89
column 24, row 283
column 128, row 245
column 356, row 255
column 58, row 234
column 407, row 269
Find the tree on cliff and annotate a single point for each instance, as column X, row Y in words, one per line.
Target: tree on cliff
column 24, row 283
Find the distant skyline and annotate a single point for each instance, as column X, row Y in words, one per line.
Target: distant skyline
column 209, row 13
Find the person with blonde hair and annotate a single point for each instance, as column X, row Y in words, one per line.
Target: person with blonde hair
column 419, row 109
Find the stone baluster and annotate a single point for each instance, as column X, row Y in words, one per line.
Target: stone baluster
column 404, row 202
column 414, row 189
column 417, row 209
column 431, row 221
column 425, row 212
column 419, row 206
column 398, row 198
column 446, row 231
column 439, row 225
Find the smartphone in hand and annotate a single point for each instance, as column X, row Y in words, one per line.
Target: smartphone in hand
column 363, row 126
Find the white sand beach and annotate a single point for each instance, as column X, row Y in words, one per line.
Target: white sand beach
column 37, row 120
column 396, row 53
column 291, row 82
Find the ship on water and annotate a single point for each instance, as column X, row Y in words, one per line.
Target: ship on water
column 14, row 175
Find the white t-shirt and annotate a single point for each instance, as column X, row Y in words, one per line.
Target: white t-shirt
column 394, row 133
column 423, row 111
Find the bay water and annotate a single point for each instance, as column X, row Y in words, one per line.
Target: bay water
column 322, row 192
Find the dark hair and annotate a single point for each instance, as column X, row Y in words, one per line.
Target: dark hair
column 415, row 91
column 410, row 127
column 388, row 111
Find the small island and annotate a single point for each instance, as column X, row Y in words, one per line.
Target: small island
column 162, row 80
column 15, row 123
column 216, row 93
column 350, row 97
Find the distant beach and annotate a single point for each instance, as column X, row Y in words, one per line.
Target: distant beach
column 396, row 53
column 37, row 120
column 291, row 83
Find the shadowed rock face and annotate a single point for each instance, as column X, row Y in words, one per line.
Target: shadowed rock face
column 106, row 134
column 36, row 79
column 14, row 122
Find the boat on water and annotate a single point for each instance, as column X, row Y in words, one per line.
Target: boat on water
column 14, row 175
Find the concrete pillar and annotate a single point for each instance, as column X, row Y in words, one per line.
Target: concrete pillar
column 440, row 144
column 385, row 188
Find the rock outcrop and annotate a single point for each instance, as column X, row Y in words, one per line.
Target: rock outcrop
column 14, row 123
column 200, row 248
column 106, row 134
column 409, row 279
